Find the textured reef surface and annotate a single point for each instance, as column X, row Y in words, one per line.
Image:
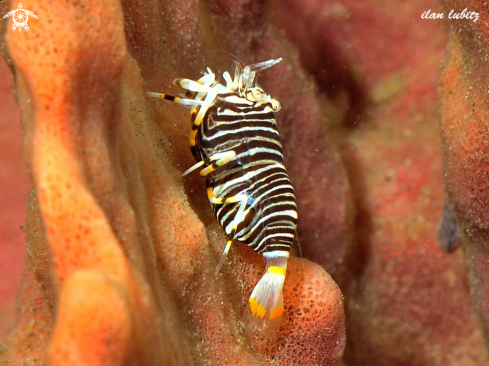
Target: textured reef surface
column 15, row 185
column 463, row 89
column 121, row 249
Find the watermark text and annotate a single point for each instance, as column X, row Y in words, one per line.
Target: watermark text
column 464, row 14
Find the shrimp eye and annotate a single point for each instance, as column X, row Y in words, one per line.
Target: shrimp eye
column 257, row 93
column 254, row 94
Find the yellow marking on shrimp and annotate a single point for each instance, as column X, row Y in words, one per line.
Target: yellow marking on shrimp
column 277, row 270
column 213, row 199
column 210, row 193
column 198, row 121
column 256, row 309
column 277, row 313
column 216, row 164
column 191, row 137
column 206, row 171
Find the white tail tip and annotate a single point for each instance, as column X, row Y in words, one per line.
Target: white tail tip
column 266, row 300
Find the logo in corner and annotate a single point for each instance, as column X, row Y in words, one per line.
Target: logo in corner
column 20, row 18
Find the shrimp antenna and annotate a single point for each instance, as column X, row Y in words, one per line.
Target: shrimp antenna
column 260, row 66
column 250, row 71
column 235, row 58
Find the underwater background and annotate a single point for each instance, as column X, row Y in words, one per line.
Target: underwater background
column 384, row 128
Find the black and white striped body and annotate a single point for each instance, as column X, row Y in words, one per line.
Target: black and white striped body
column 270, row 217
column 234, row 138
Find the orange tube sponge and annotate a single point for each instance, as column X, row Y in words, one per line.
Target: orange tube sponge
column 104, row 338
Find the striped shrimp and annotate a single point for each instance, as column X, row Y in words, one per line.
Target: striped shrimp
column 235, row 140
